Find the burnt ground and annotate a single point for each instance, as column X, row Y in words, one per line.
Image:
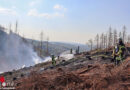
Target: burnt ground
column 91, row 72
column 78, row 62
column 86, row 76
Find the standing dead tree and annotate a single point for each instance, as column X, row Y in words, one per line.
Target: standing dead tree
column 110, row 37
column 97, row 41
column 120, row 35
column 102, row 41
column 90, row 43
column 105, row 41
column 114, row 37
column 41, row 43
column 124, row 34
column 47, row 46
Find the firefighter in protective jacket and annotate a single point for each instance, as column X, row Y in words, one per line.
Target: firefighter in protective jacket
column 119, row 52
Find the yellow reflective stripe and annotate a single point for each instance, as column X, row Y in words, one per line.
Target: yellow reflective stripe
column 122, row 46
column 119, row 58
column 120, row 49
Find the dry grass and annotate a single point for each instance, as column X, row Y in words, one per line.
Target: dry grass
column 96, row 77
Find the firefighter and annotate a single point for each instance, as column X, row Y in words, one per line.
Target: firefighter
column 119, row 52
column 53, row 60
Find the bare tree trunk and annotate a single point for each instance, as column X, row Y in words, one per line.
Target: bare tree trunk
column 47, row 46
column 97, row 41
column 110, row 38
column 102, row 41
column 124, row 34
column 90, row 42
column 41, row 43
column 115, row 37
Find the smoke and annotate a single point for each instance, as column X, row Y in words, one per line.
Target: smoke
column 23, row 66
column 66, row 55
column 46, row 59
column 14, row 52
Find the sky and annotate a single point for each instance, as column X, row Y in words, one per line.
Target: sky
column 65, row 20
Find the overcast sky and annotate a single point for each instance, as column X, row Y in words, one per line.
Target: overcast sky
column 65, row 20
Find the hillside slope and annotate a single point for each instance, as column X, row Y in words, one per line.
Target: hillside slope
column 16, row 51
column 80, row 73
column 90, row 77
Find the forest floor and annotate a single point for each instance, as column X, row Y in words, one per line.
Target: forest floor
column 82, row 72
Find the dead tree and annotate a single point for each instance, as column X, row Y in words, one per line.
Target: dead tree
column 90, row 42
column 102, row 41
column 120, row 35
column 41, row 43
column 106, row 39
column 97, row 41
column 114, row 37
column 110, row 37
column 124, row 34
column 47, row 45
column 106, row 42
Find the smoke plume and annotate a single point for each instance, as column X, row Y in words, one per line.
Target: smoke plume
column 14, row 52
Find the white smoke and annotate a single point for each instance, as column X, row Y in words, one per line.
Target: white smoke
column 14, row 53
column 66, row 55
column 23, row 66
column 36, row 59
column 46, row 59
